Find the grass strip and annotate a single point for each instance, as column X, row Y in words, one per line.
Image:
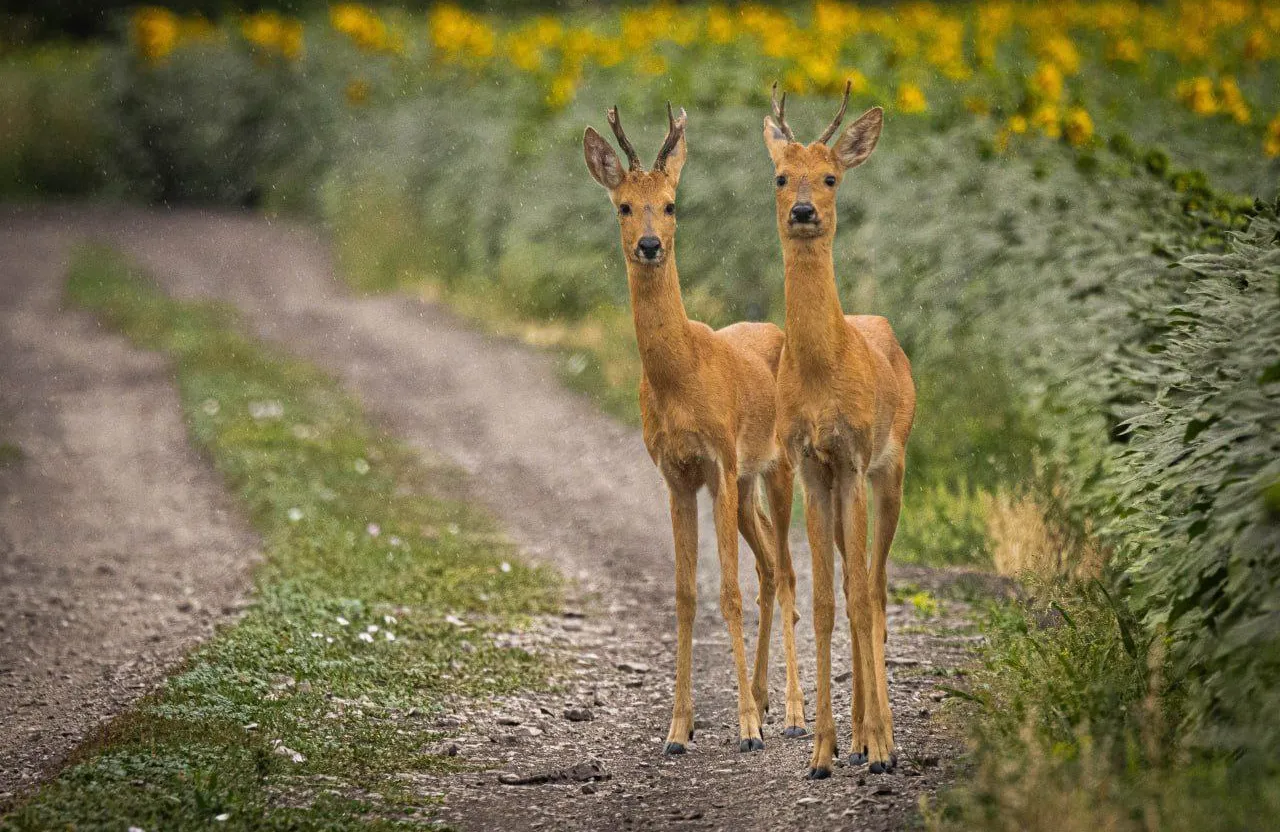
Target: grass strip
column 377, row 598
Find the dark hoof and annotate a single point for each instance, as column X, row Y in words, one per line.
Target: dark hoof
column 858, row 758
column 795, row 732
column 672, row 748
column 818, row 774
column 879, row 767
column 690, row 734
column 752, row 744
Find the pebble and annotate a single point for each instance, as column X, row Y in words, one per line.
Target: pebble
column 633, row 667
column 578, row 714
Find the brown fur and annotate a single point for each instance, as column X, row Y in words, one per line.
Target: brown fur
column 846, row 403
column 708, row 413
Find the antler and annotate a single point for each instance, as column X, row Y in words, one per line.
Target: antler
column 633, row 158
column 675, row 129
column 835, row 122
column 779, row 110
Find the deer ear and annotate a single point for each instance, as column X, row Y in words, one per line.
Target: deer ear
column 675, row 159
column 774, row 139
column 859, row 138
column 601, row 160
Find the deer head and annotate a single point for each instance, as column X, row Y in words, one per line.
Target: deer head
column 807, row 176
column 644, row 200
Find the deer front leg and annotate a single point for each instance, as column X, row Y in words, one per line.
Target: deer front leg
column 758, row 531
column 887, row 491
column 781, row 484
column 684, row 524
column 869, row 723
column 817, row 515
column 750, row 737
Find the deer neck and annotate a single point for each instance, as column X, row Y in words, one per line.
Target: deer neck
column 662, row 325
column 816, row 330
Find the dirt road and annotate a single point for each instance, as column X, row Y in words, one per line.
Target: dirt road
column 577, row 490
column 118, row 546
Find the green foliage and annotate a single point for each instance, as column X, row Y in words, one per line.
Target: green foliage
column 359, row 543
column 218, row 123
column 944, row 526
column 1159, row 681
column 52, row 140
column 1201, row 449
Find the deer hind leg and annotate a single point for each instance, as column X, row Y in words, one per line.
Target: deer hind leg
column 861, row 603
column 780, row 483
column 818, row 523
column 758, row 532
column 750, row 737
column 858, row 748
column 886, row 486
column 684, row 524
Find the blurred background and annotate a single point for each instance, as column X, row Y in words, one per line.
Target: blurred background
column 1070, row 221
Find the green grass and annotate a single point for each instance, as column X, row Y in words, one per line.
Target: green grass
column 1075, row 723
column 355, row 529
column 10, row 454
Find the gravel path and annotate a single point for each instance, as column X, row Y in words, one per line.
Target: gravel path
column 577, row 490
column 118, row 546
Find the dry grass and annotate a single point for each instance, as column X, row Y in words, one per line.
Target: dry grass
column 1025, row 542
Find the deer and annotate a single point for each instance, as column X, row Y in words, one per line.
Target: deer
column 846, row 404
column 708, row 417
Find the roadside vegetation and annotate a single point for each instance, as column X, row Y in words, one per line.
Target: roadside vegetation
column 1070, row 222
column 378, row 597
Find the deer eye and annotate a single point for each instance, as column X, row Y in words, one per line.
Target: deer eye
column 625, row 209
column 670, row 209
column 782, row 181
column 830, row 180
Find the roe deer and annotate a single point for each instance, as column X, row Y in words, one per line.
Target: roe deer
column 708, row 413
column 846, row 403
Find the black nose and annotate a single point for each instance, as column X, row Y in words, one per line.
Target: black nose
column 649, row 246
column 803, row 212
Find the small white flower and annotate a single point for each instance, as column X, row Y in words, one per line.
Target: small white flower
column 295, row 514
column 342, row 622
column 505, row 567
column 366, row 637
column 266, row 410
column 373, row 529
column 139, row 828
column 388, row 619
column 454, row 620
column 222, row 818
column 389, row 636
column 361, row 466
column 372, row 628
column 394, row 540
column 328, row 639
column 317, row 635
